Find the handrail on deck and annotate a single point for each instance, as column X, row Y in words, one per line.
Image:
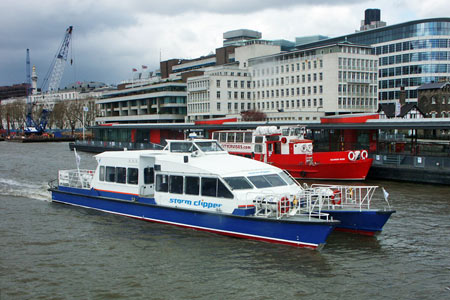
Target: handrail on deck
column 75, row 178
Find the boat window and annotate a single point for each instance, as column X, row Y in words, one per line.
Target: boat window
column 239, row 137
column 209, row 146
column 222, row 191
column 285, row 131
column 248, row 137
column 121, row 176
column 259, row 181
column 213, row 187
column 258, row 139
column 209, row 187
column 289, row 180
column 149, row 175
column 132, row 176
column 258, row 148
column 238, row 183
column 176, row 184
column 110, row 174
column 102, row 173
column 192, row 185
column 230, row 138
column 277, row 148
column 263, row 181
column 215, row 136
column 223, row 137
column 181, row 147
column 275, row 180
column 162, row 184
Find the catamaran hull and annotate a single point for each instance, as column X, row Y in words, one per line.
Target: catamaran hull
column 369, row 222
column 309, row 234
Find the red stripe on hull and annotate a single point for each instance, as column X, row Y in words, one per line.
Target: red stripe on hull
column 361, row 232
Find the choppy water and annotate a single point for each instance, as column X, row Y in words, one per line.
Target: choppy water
column 53, row 251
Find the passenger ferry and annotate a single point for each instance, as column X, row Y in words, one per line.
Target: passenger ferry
column 197, row 184
column 288, row 149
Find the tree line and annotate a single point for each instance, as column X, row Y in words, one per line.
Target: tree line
column 65, row 114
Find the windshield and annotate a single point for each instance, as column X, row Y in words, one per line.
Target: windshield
column 263, row 181
column 287, row 178
column 181, row 147
column 238, row 183
column 209, row 146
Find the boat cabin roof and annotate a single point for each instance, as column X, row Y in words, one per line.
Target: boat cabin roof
column 205, row 157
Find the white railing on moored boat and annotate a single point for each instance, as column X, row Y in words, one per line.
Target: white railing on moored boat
column 343, row 196
column 75, row 178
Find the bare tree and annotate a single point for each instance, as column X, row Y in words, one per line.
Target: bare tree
column 58, row 115
column 17, row 112
column 74, row 114
column 253, row 115
column 92, row 112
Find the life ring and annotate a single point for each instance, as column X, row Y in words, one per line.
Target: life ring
column 283, row 205
column 364, row 154
column 336, row 193
column 283, row 140
column 304, row 148
column 351, row 155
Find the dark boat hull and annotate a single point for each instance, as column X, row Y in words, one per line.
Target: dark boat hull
column 369, row 222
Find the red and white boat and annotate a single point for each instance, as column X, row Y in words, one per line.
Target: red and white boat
column 287, row 148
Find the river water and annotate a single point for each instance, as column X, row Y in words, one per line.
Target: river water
column 54, row 251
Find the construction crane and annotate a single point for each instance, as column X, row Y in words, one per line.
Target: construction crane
column 53, row 80
column 54, row 74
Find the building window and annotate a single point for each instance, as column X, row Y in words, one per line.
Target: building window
column 218, row 83
column 218, row 105
column 218, row 94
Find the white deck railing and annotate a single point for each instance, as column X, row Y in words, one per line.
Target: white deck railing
column 342, row 196
column 75, row 178
column 285, row 205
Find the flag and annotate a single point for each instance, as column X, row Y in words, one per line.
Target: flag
column 385, row 193
column 77, row 158
column 144, row 67
column 134, row 70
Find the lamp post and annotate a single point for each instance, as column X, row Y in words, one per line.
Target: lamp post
column 85, row 109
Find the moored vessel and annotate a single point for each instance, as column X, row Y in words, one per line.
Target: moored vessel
column 356, row 207
column 288, row 149
column 196, row 184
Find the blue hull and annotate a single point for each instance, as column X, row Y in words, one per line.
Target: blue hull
column 310, row 234
column 363, row 222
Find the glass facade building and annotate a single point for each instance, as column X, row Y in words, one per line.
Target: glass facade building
column 410, row 54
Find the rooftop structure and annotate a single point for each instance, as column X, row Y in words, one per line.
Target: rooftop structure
column 372, row 20
column 240, row 36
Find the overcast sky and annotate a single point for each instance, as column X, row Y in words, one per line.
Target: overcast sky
column 112, row 37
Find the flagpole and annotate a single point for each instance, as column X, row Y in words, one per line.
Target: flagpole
column 78, row 159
